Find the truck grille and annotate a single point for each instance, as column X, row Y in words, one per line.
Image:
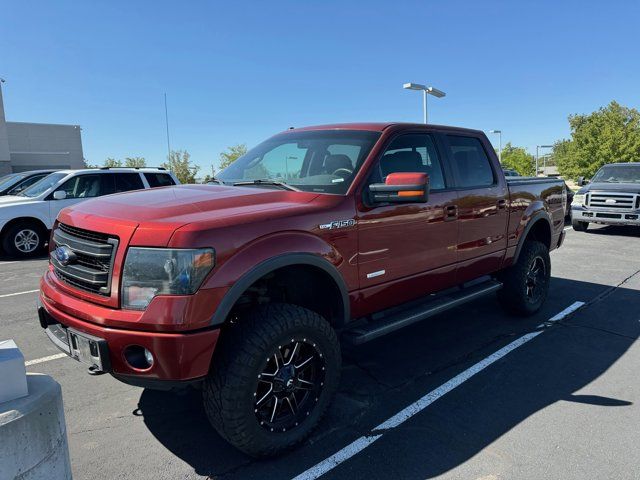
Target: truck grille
column 86, row 262
column 613, row 200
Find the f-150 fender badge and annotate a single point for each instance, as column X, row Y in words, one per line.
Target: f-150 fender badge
column 338, row 224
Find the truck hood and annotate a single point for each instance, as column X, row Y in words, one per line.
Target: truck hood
column 173, row 207
column 611, row 187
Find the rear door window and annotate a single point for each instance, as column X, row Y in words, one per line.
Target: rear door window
column 128, row 181
column 470, row 162
column 159, row 179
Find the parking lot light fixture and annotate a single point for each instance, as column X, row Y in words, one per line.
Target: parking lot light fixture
column 499, row 132
column 538, row 147
column 426, row 90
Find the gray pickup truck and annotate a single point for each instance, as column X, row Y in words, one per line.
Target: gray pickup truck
column 612, row 197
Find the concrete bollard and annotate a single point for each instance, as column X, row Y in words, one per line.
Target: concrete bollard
column 33, row 434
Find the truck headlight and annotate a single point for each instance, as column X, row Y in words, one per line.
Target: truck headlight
column 163, row 271
column 578, row 199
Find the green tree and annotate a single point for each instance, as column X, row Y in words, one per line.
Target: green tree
column 610, row 134
column 517, row 158
column 231, row 155
column 112, row 163
column 179, row 162
column 135, row 162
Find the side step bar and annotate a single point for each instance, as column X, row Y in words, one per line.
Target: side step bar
column 377, row 328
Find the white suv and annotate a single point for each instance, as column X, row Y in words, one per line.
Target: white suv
column 27, row 218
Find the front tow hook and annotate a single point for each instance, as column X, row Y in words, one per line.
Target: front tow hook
column 95, row 370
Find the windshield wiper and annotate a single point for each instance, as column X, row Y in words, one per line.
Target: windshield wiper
column 267, row 182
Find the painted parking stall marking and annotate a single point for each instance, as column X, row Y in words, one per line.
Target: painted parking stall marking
column 416, row 407
column 567, row 311
column 18, row 293
column 45, row 359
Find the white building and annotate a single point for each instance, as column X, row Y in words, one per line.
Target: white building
column 34, row 146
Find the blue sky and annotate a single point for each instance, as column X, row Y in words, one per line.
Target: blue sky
column 237, row 72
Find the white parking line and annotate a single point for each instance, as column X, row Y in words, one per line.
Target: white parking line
column 570, row 309
column 18, row 293
column 363, row 442
column 6, row 263
column 45, row 359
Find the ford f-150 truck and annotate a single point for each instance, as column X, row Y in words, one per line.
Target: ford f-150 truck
column 243, row 288
column 611, row 198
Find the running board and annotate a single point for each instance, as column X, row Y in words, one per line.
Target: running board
column 377, row 328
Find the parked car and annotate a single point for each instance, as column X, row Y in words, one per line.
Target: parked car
column 26, row 218
column 510, row 173
column 611, row 198
column 14, row 183
column 354, row 230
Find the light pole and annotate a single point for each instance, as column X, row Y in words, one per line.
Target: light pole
column 499, row 132
column 538, row 147
column 425, row 91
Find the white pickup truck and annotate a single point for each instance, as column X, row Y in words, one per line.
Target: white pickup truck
column 27, row 218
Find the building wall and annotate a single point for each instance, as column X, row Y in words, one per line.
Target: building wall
column 5, row 158
column 34, row 146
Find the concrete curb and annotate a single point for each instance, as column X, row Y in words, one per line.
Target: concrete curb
column 33, row 434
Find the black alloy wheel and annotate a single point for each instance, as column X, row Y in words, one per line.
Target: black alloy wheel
column 290, row 385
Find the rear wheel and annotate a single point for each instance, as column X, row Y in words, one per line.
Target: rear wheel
column 526, row 283
column 23, row 240
column 274, row 374
column 579, row 226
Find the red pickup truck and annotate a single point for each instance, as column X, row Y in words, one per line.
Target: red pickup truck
column 243, row 288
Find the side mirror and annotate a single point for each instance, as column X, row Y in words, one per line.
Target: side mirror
column 582, row 181
column 59, row 195
column 401, row 188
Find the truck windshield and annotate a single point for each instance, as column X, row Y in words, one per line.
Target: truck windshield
column 43, row 185
column 618, row 174
column 324, row 161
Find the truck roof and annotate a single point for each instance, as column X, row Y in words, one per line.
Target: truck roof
column 379, row 127
column 633, row 164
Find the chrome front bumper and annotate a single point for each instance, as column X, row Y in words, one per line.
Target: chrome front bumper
column 591, row 215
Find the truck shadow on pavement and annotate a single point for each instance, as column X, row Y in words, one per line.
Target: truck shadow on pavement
column 382, row 377
column 613, row 230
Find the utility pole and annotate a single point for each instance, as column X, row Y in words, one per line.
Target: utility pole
column 499, row 132
column 425, row 91
column 538, row 147
column 166, row 118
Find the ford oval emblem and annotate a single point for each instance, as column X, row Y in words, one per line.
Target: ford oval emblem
column 64, row 255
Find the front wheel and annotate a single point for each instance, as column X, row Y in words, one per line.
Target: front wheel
column 23, row 240
column 526, row 283
column 579, row 226
column 273, row 376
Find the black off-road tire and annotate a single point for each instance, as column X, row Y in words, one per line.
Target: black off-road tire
column 579, row 226
column 24, row 230
column 516, row 294
column 245, row 347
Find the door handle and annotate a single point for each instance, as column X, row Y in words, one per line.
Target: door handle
column 450, row 213
column 502, row 204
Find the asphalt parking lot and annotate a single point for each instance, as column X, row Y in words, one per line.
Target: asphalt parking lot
column 556, row 401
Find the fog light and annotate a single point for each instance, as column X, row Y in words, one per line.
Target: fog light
column 138, row 357
column 148, row 357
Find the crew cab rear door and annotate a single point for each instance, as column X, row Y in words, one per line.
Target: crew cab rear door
column 408, row 249
column 482, row 204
